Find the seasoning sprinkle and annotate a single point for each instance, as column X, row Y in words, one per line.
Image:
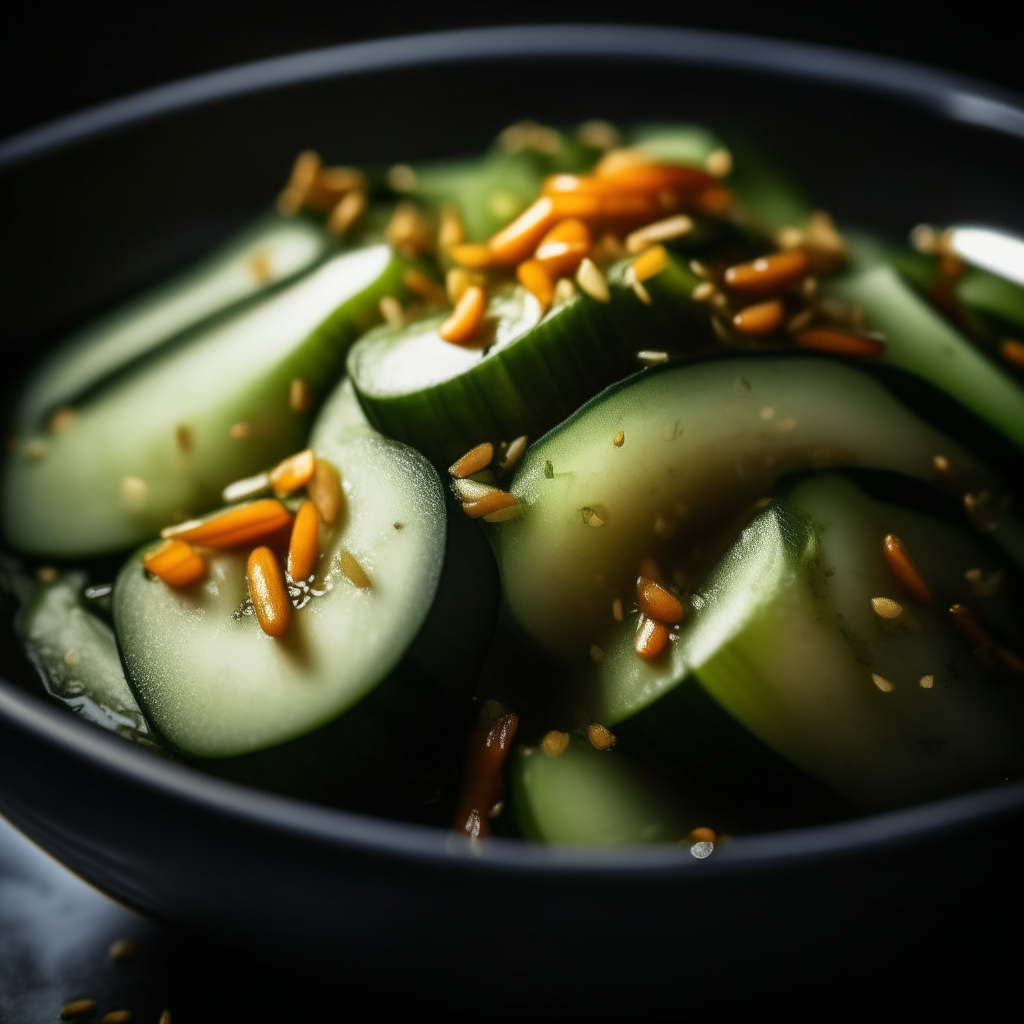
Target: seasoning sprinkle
column 391, row 311
column 592, row 281
column 926, row 682
column 651, row 357
column 121, row 949
column 703, row 292
column 116, row 1017
column 564, row 291
column 619, row 439
column 467, row 318
column 600, row 737
column 450, row 231
column 886, row 607
column 660, row 231
column 473, row 461
column 248, row 487
column 882, row 683
column 77, row 1008
column 555, row 743
column 347, row 211
column 325, row 491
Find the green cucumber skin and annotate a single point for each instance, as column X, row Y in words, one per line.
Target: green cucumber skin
column 921, row 342
column 221, row 281
column 798, row 671
column 444, row 399
column 215, row 686
column 71, row 503
column 587, row 797
column 701, row 442
column 75, row 653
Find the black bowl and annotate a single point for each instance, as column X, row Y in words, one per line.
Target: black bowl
column 102, row 202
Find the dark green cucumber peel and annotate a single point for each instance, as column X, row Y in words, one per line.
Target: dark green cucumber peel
column 270, row 252
column 528, row 372
column 701, row 442
column 595, row 798
column 166, row 429
column 800, row 664
column 336, row 710
column 76, row 656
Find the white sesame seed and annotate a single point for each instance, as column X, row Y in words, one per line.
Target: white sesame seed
column 471, row 490
column 401, row 178
column 886, row 607
column 926, row 682
column 592, row 281
column 719, row 163
column 391, row 310
column 660, row 231
column 245, row 488
column 514, row 452
column 704, row 291
column 702, row 850
column 651, row 357
column 882, row 683
column 564, row 290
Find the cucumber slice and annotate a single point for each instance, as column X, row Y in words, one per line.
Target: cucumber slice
column 528, row 372
column 689, row 144
column 699, row 443
column 162, row 442
column 887, row 712
column 920, row 341
column 273, row 250
column 594, row 798
column 215, row 686
column 76, row 656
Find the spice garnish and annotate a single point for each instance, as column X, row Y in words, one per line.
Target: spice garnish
column 467, row 318
column 175, row 562
column 304, row 544
column 268, row 592
column 483, row 782
column 324, row 490
column 651, row 638
column 473, row 461
column 903, row 570
column 293, row 472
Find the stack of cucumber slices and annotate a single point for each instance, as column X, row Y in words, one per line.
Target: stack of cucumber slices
column 594, row 491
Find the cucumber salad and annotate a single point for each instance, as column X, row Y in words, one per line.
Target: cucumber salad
column 596, row 490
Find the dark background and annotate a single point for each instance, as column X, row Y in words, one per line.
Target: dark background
column 56, row 60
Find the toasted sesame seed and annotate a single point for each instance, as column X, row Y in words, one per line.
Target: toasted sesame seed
column 97, row 591
column 660, row 231
column 943, row 467
column 471, row 490
column 61, row 419
column 304, row 171
column 641, row 292
column 722, row 332
column 699, row 269
column 348, row 210
column 619, row 439
column 703, row 292
column 259, row 266
column 599, row 135
column 925, row 239
column 882, row 683
column 564, row 290
column 903, row 569
column 600, row 737
column 354, row 571
column 423, row 287
column 496, row 808
column 133, row 493
column 719, row 163
column 886, row 607
column 391, row 310
column 77, row 1008
column 926, row 682
column 555, row 743
column 790, row 237
column 401, row 178
column 398, row 526
column 34, row 451
column 514, row 452
column 591, row 517
column 592, row 281
column 651, row 357
column 617, row 609
column 240, row 431
column 983, row 583
column 47, row 574
column 596, row 654
column 473, row 461
column 502, row 515
column 408, row 231
column 117, row 1017
column 1013, row 352
column 702, row 850
column 801, row 321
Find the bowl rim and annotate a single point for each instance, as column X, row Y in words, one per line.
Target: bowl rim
column 948, row 95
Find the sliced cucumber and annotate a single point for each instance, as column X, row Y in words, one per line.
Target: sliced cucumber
column 163, row 441
column 76, row 655
column 920, row 341
column 215, row 686
column 271, row 251
column 528, row 371
column 886, row 711
column 689, row 144
column 596, row 798
column 699, row 443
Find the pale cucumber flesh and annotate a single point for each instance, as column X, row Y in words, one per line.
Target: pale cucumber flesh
column 270, row 252
column 160, row 444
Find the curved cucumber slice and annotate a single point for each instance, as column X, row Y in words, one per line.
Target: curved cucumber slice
column 528, row 372
column 164, row 440
column 887, row 711
column 216, row 686
column 273, row 250
column 699, row 443
column 689, row 144
column 76, row 655
column 589, row 797
column 920, row 341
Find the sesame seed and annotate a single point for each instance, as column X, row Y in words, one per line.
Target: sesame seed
column 719, row 163
column 591, row 517
column 246, row 488
column 703, row 292
column 564, row 290
column 617, row 609
column 641, row 292
column 133, row 493
column 259, row 266
column 702, row 850
column 699, row 269
column 925, row 239
column 347, row 211
column 599, row 135
column 943, row 466
column 514, row 452
column 596, row 654
column 651, row 357
column 401, row 178
column 354, row 571
column 926, row 682
column 592, row 281
column 240, row 431
column 473, row 461
column 61, row 419
column 882, row 683
column 391, row 310
column 47, row 574
column 660, row 231
column 619, row 439
column 886, row 607
column 977, row 508
column 722, row 332
column 982, row 583
column 471, row 490
column 77, row 1008
column 496, row 808
column 789, row 237
column 600, row 737
column 34, row 451
column 97, row 591
column 117, row 1017
column 555, row 743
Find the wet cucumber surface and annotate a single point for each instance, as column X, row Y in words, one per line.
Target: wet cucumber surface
column 215, row 686
column 159, row 444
